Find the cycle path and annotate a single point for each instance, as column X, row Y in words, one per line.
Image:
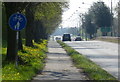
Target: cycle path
column 59, row 65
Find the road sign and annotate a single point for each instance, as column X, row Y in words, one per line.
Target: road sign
column 17, row 21
column 105, row 29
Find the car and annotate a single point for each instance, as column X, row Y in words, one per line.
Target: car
column 66, row 37
column 58, row 38
column 78, row 38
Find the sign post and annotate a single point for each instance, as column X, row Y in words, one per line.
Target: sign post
column 17, row 22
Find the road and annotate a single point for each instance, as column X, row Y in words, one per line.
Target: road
column 102, row 53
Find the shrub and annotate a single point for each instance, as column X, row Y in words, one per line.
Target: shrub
column 30, row 61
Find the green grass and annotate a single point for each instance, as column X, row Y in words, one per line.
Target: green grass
column 114, row 40
column 93, row 71
column 31, row 60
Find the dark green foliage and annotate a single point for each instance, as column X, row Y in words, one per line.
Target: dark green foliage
column 101, row 14
column 89, row 27
column 42, row 19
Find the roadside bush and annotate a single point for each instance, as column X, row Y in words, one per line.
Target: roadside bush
column 30, row 61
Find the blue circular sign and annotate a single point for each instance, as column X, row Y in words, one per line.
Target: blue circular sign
column 17, row 21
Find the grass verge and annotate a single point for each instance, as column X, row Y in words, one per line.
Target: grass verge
column 31, row 60
column 109, row 39
column 93, row 71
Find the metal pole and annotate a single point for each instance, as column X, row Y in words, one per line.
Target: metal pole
column 119, row 18
column 16, row 60
column 111, row 20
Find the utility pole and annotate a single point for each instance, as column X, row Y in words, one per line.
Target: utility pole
column 111, row 20
column 119, row 18
column 82, row 29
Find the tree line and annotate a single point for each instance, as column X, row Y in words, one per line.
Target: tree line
column 99, row 16
column 42, row 19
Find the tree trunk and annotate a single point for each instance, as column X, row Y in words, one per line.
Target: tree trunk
column 39, row 31
column 95, row 35
column 36, row 32
column 104, row 33
column 20, row 46
column 11, row 45
column 90, row 36
column 29, row 32
column 11, row 36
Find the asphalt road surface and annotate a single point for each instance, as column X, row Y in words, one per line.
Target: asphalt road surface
column 102, row 53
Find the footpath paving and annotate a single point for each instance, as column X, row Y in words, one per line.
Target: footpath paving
column 59, row 65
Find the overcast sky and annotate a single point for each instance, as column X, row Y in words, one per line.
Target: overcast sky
column 71, row 16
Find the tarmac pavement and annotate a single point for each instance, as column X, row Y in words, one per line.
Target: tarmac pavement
column 105, row 54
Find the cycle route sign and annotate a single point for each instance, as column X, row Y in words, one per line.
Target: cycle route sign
column 17, row 21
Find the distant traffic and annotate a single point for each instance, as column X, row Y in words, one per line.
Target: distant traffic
column 66, row 37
